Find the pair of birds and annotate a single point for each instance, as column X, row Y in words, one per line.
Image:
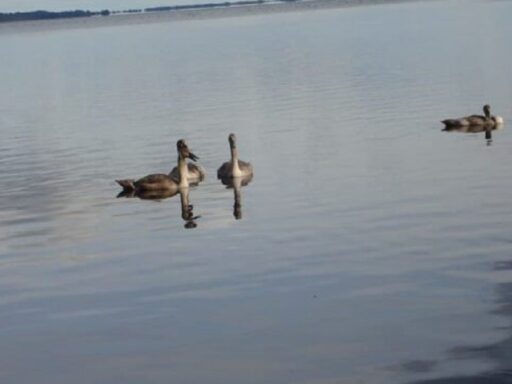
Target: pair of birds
column 486, row 121
column 185, row 173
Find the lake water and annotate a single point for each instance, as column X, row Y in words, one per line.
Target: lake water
column 372, row 247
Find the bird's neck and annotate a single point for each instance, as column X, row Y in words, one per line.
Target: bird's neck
column 182, row 171
column 234, row 162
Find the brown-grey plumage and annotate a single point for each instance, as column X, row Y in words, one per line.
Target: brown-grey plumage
column 234, row 167
column 160, row 181
column 195, row 173
column 475, row 120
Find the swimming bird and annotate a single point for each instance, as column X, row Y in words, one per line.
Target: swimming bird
column 159, row 181
column 475, row 120
column 234, row 167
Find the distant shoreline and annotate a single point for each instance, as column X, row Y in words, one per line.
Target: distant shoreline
column 53, row 15
column 89, row 19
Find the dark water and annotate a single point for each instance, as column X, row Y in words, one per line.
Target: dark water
column 372, row 248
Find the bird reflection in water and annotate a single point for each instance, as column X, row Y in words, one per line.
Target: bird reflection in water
column 187, row 209
column 487, row 130
column 237, row 183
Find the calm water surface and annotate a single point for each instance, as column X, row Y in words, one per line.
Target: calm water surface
column 373, row 248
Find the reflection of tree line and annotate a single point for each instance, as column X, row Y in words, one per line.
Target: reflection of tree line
column 48, row 15
column 499, row 353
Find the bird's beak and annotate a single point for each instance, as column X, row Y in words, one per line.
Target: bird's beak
column 193, row 157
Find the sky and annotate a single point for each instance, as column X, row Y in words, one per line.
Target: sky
column 93, row 5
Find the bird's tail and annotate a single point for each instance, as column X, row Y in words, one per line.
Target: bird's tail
column 451, row 123
column 127, row 184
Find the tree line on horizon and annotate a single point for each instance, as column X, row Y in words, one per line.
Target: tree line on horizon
column 49, row 15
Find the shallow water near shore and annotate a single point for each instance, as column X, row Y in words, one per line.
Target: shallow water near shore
column 372, row 247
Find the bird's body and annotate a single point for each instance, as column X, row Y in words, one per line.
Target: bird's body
column 487, row 120
column 159, row 181
column 149, row 183
column 235, row 167
column 194, row 173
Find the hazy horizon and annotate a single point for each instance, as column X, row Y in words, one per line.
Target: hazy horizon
column 93, row 5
